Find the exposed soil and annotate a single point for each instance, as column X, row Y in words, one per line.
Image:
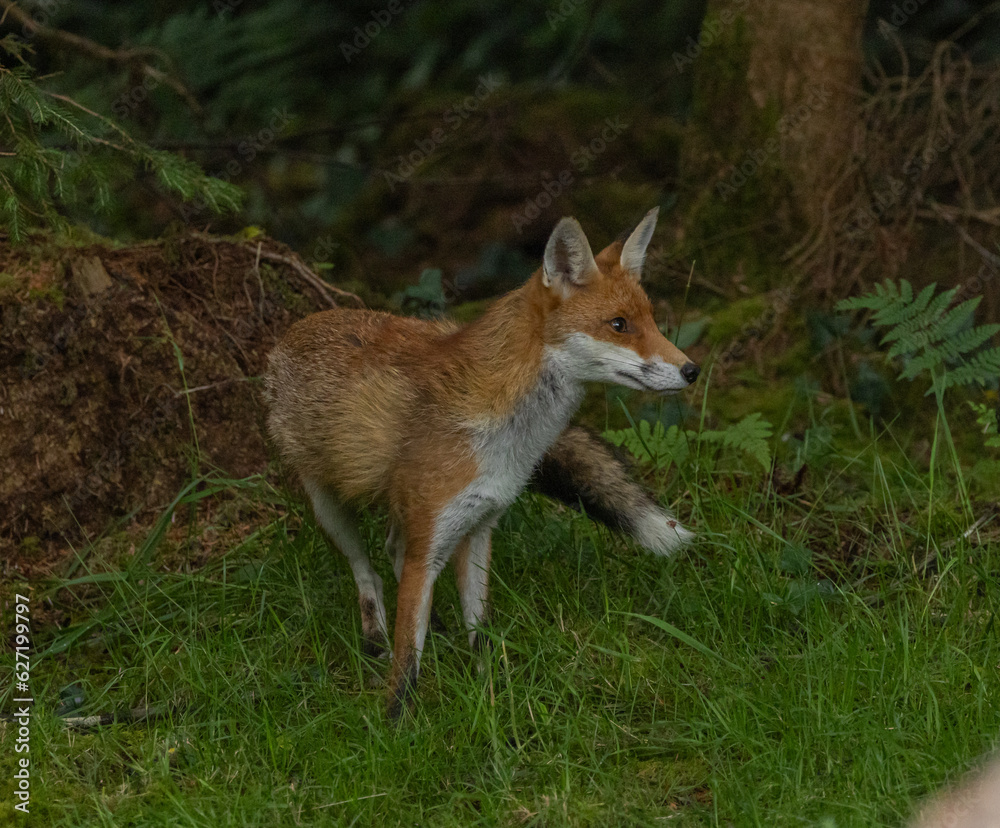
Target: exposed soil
column 101, row 353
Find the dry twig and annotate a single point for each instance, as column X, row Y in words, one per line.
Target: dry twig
column 326, row 289
column 926, row 154
column 329, row 292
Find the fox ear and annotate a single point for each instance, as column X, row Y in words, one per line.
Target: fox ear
column 568, row 263
column 634, row 250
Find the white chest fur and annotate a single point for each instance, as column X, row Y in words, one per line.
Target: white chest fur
column 507, row 451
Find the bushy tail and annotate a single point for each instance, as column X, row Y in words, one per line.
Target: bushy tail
column 581, row 469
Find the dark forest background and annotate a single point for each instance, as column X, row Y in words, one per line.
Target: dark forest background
column 382, row 139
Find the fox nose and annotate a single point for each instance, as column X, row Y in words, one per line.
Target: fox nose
column 690, row 371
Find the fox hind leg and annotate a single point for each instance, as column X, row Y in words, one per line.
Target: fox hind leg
column 395, row 547
column 340, row 525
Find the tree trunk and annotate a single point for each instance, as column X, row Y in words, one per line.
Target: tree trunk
column 806, row 57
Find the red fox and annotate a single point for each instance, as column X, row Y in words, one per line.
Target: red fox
column 447, row 424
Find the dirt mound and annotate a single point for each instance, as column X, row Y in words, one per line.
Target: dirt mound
column 107, row 358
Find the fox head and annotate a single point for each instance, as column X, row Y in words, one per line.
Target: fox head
column 599, row 317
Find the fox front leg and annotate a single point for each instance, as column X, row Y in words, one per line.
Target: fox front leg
column 395, row 548
column 472, row 573
column 413, row 609
column 429, row 546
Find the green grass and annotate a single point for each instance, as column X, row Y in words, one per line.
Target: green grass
column 798, row 665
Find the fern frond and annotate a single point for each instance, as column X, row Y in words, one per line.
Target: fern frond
column 663, row 446
column 989, row 419
column 884, row 294
column 982, row 368
column 934, row 339
column 750, row 435
column 956, row 346
column 904, row 320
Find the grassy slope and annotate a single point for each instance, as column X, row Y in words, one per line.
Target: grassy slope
column 831, row 689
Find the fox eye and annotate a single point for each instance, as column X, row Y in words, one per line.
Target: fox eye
column 619, row 325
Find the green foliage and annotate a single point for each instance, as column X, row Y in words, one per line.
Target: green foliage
column 427, row 297
column 58, row 153
column 930, row 335
column 750, row 436
column 663, row 446
column 989, row 419
column 620, row 688
column 354, row 79
column 687, row 333
column 736, row 320
column 654, row 444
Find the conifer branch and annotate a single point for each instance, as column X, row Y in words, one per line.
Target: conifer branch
column 135, row 58
column 90, row 153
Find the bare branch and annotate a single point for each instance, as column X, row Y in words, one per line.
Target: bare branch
column 136, row 58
